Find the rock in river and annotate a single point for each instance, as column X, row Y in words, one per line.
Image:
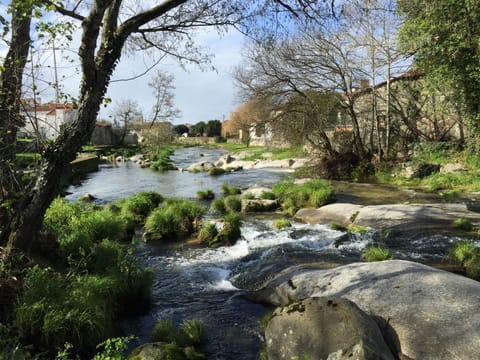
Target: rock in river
column 427, row 313
column 324, row 328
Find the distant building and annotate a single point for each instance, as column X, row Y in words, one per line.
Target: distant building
column 46, row 119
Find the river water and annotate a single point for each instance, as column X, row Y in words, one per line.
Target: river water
column 192, row 282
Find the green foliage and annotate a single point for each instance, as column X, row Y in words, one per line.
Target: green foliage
column 467, row 255
column 233, row 203
column 463, row 251
column 172, row 218
column 228, row 190
column 205, row 194
column 377, row 253
column 463, row 224
column 311, row 194
column 113, row 349
column 218, row 206
column 281, row 224
column 141, row 204
column 162, row 160
column 230, row 232
column 267, row 195
column 443, row 36
column 181, row 343
column 78, row 227
column 358, row 229
column 338, row 227
column 248, row 196
column 207, row 233
column 55, row 310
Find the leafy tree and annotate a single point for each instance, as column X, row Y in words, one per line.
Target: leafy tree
column 181, row 129
column 213, row 128
column 199, row 129
column 443, row 37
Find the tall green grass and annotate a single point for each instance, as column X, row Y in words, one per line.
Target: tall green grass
column 174, row 217
column 292, row 197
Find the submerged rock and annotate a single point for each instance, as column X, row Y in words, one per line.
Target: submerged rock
column 200, row 166
column 429, row 314
column 324, row 327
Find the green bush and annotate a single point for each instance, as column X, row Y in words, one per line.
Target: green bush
column 172, row 218
column 207, row 233
column 228, row 190
column 205, row 194
column 377, row 253
column 218, row 206
column 141, row 204
column 233, row 203
column 78, row 227
column 311, row 194
column 281, row 224
column 55, row 310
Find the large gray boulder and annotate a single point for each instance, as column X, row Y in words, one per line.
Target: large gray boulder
column 324, row 328
column 390, row 215
column 339, row 213
column 430, row 314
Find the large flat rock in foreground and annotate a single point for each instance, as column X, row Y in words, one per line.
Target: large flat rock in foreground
column 383, row 216
column 428, row 314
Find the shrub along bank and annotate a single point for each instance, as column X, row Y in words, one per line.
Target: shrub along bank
column 91, row 281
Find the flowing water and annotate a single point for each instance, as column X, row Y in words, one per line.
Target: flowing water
column 208, row 284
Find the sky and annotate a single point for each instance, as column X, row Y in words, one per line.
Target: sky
column 200, row 95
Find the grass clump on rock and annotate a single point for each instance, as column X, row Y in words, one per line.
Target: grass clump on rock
column 233, row 203
column 230, row 232
column 292, row 197
column 228, row 190
column 463, row 224
column 218, row 206
column 170, row 342
column 207, row 233
column 205, row 194
column 377, row 253
column 173, row 218
column 466, row 254
column 280, row 224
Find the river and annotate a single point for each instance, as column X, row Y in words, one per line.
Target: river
column 208, row 284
